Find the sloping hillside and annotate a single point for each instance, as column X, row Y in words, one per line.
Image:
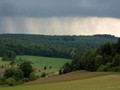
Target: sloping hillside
column 77, row 75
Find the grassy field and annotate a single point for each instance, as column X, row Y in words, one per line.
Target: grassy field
column 40, row 62
column 96, row 81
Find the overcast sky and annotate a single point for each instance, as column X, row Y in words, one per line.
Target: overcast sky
column 52, row 8
column 81, row 17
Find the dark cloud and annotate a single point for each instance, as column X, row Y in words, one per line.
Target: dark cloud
column 7, row 9
column 51, row 8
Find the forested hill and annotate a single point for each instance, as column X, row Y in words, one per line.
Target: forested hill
column 52, row 46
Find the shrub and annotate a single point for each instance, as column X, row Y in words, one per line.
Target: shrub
column 45, row 67
column 11, row 81
column 60, row 71
column 43, row 74
column 26, row 80
column 19, row 75
column 12, row 72
column 32, row 76
column 9, row 73
column 102, row 68
column 116, row 60
column 116, row 69
column 20, row 81
column 67, row 68
column 5, row 58
column 50, row 67
column 2, row 81
column 107, row 67
column 27, row 68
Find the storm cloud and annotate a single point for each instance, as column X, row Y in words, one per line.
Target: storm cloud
column 60, row 17
column 60, row 8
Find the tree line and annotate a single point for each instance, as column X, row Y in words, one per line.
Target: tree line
column 104, row 58
column 50, row 46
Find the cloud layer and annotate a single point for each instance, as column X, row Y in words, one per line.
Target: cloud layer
column 62, row 8
column 61, row 25
column 63, row 17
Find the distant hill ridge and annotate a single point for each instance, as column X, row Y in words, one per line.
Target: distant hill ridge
column 105, row 35
column 64, row 46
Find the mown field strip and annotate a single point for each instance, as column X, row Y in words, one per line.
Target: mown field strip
column 77, row 75
column 109, row 82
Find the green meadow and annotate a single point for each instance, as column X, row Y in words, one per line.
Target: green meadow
column 40, row 62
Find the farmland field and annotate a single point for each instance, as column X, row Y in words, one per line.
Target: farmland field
column 100, row 82
column 44, row 61
column 39, row 63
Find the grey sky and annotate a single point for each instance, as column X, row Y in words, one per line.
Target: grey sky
column 60, row 17
column 56, row 8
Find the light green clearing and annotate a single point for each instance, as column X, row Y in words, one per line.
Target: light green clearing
column 44, row 61
column 39, row 62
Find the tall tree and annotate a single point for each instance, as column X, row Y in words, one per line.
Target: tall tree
column 27, row 68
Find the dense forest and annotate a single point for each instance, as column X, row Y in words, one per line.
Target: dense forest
column 51, row 46
column 104, row 58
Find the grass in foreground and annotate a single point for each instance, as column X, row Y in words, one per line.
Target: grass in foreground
column 104, row 82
